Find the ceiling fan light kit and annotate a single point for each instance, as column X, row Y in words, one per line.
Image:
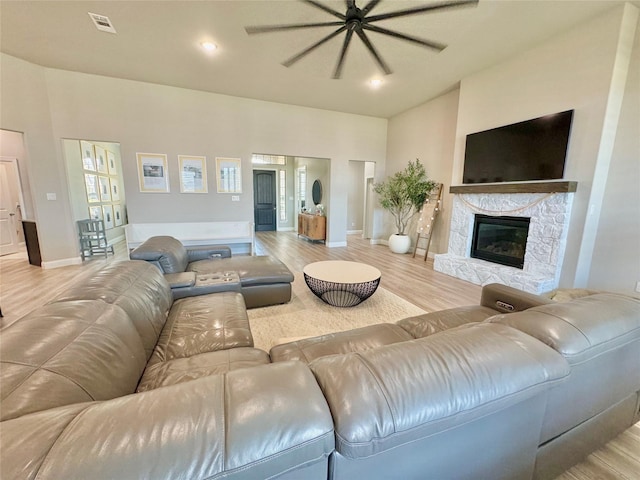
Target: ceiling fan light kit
column 359, row 21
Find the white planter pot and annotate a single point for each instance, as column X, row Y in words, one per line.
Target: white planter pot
column 399, row 243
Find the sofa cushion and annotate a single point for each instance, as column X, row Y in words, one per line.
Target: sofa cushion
column 85, row 350
column 137, row 287
column 201, row 324
column 181, row 370
column 261, row 422
column 251, row 270
column 356, row 340
column 396, row 394
column 434, row 322
column 166, row 253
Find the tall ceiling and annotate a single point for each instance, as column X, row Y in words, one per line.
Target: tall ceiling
column 159, row 42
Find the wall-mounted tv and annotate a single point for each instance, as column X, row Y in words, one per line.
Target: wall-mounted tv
column 531, row 150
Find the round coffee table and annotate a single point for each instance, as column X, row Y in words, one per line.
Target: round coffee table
column 340, row 283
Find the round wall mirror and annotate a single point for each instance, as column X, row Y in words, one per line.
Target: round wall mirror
column 316, row 192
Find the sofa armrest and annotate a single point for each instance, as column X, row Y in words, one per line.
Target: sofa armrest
column 506, row 299
column 251, row 423
column 165, row 252
column 207, row 253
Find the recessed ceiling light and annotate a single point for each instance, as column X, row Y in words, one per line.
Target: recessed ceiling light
column 375, row 83
column 209, row 46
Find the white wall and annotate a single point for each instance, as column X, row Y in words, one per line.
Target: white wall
column 616, row 258
column 25, row 108
column 426, row 132
column 49, row 104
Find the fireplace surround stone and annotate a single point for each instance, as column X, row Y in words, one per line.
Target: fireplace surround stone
column 549, row 213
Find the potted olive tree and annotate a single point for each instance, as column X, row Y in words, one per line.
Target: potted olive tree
column 403, row 195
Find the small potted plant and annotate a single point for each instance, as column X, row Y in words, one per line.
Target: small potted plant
column 403, row 195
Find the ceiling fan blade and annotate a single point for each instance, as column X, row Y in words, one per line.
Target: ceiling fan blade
column 370, row 6
column 293, row 26
column 343, row 54
column 307, row 50
column 402, row 36
column 330, row 11
column 363, row 36
column 417, row 10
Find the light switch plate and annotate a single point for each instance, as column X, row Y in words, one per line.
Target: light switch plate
column 51, row 196
column 235, row 198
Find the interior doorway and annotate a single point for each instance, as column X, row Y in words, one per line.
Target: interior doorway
column 11, row 207
column 360, row 198
column 264, row 200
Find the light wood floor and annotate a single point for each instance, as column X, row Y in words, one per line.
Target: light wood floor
column 24, row 287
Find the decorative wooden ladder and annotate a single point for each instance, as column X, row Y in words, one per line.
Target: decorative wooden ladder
column 428, row 214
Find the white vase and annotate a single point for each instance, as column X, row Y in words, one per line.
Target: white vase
column 399, row 243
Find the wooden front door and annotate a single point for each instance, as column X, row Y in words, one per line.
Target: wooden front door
column 264, row 200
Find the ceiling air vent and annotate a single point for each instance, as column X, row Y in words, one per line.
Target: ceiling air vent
column 102, row 23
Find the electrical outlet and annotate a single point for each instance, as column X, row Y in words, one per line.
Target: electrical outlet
column 51, row 196
column 638, row 286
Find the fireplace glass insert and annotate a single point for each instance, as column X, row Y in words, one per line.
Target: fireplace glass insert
column 500, row 239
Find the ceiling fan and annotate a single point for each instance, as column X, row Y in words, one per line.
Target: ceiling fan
column 357, row 20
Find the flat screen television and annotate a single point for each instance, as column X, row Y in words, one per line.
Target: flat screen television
column 531, row 150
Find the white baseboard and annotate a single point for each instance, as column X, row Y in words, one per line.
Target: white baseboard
column 336, row 244
column 420, row 252
column 119, row 239
column 378, row 241
column 64, row 262
column 354, row 232
column 285, row 229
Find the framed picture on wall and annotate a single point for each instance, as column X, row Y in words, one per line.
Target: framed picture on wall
column 228, row 175
column 101, row 159
column 153, row 175
column 107, row 211
column 111, row 163
column 115, row 189
column 193, row 174
column 88, row 156
column 91, row 185
column 117, row 215
column 95, row 213
column 105, row 189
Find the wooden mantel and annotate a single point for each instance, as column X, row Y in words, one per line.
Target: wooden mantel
column 535, row 187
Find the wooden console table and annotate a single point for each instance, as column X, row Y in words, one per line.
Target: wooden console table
column 313, row 227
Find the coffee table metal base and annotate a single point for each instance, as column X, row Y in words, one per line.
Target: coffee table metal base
column 341, row 294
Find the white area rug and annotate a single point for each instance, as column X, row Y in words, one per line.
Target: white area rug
column 306, row 315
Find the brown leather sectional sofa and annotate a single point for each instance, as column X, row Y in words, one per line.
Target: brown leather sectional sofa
column 114, row 379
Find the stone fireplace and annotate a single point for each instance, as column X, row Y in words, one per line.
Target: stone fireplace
column 543, row 207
